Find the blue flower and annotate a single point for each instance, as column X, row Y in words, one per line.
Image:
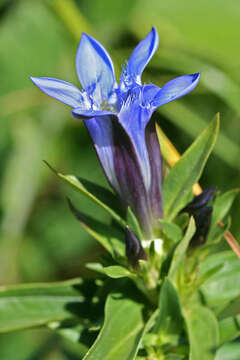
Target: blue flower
column 118, row 120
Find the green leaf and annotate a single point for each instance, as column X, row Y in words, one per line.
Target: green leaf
column 181, row 248
column 229, row 352
column 223, row 286
column 121, row 332
column 229, row 328
column 133, row 223
column 108, row 236
column 203, row 333
column 190, row 122
column 219, row 231
column 114, row 271
column 169, row 319
column 221, row 208
column 70, row 331
column 188, row 170
column 79, row 186
column 31, row 305
column 117, row 271
column 172, row 230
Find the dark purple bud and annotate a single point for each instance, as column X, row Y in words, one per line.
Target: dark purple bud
column 202, row 213
column 201, row 200
column 134, row 249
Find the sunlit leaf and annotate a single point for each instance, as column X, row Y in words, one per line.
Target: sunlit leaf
column 187, row 171
column 121, row 332
column 181, row 248
column 203, row 333
column 79, row 186
column 31, row 305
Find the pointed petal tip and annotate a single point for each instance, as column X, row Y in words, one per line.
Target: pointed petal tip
column 141, row 56
column 175, row 89
column 155, row 35
column 60, row 90
column 196, row 76
column 94, row 65
column 34, row 79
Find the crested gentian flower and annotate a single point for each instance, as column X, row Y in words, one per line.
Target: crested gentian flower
column 200, row 209
column 118, row 120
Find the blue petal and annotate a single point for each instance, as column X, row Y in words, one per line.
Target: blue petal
column 94, row 66
column 140, row 57
column 175, row 89
column 134, row 117
column 130, row 178
column 101, row 131
column 80, row 113
column 148, row 94
column 60, row 90
column 121, row 166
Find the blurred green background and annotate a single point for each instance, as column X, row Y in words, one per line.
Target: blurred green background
column 40, row 240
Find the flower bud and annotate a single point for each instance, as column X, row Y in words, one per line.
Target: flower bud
column 202, row 213
column 134, row 249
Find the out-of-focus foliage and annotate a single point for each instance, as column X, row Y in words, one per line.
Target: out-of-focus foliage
column 40, row 240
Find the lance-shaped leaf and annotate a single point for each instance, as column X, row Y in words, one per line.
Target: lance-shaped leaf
column 229, row 351
column 25, row 306
column 121, row 332
column 113, row 271
column 203, row 332
column 79, row 186
column 181, row 249
column 229, row 328
column 169, row 320
column 133, row 223
column 221, row 207
column 187, row 171
column 223, row 286
column 108, row 236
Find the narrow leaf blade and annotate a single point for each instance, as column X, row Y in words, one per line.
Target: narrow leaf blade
column 203, row 333
column 122, row 330
column 182, row 248
column 25, row 306
column 188, row 170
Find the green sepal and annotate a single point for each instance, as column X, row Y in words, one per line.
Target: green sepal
column 133, row 223
column 181, row 249
column 114, row 271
